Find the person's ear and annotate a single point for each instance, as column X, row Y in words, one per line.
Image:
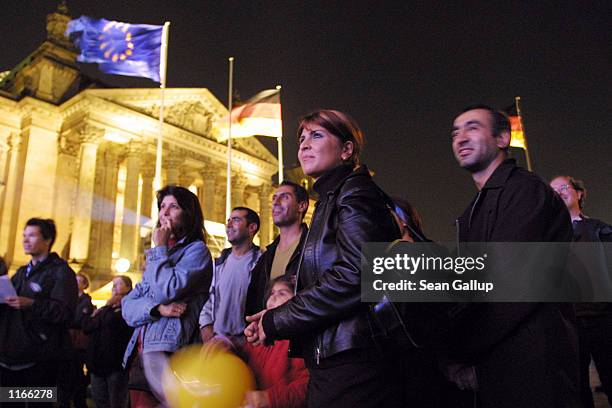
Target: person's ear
column 503, row 139
column 303, row 207
column 347, row 150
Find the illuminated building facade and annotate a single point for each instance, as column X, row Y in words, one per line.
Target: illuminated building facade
column 85, row 156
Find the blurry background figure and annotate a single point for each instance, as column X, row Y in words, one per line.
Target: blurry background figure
column 594, row 318
column 109, row 335
column 73, row 379
column 281, row 380
column 3, row 268
column 409, row 221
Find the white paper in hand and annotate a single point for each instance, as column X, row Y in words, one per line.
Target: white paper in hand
column 6, row 288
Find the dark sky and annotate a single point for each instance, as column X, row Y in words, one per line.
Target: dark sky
column 402, row 69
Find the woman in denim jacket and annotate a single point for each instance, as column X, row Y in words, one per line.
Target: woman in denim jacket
column 164, row 307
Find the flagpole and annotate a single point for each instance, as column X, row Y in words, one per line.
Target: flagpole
column 518, row 112
column 163, row 68
column 280, row 147
column 228, row 195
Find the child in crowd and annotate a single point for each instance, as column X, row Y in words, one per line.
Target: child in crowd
column 281, row 380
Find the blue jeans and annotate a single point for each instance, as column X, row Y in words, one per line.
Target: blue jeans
column 110, row 390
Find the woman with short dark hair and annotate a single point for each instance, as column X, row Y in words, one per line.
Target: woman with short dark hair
column 326, row 320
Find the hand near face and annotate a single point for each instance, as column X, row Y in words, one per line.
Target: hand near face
column 174, row 309
column 19, row 302
column 162, row 235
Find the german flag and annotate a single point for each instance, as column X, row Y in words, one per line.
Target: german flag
column 259, row 116
column 517, row 138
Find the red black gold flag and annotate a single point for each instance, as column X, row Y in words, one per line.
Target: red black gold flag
column 259, row 116
column 516, row 124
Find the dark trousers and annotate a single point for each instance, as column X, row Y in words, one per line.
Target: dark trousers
column 110, row 390
column 595, row 340
column 73, row 382
column 43, row 374
column 355, row 378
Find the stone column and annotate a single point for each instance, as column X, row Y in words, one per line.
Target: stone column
column 172, row 163
column 146, row 200
column 185, row 179
column 130, row 224
column 207, row 196
column 239, row 183
column 10, row 210
column 220, row 194
column 66, row 184
column 5, row 149
column 107, row 227
column 79, row 243
column 265, row 214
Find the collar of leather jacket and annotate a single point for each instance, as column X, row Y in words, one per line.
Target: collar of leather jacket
column 501, row 174
column 333, row 178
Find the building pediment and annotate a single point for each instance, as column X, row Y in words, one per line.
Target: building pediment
column 195, row 110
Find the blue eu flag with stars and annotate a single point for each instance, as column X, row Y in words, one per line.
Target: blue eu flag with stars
column 118, row 48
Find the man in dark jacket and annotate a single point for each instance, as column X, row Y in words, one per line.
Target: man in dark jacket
column 72, row 380
column 34, row 323
column 289, row 206
column 522, row 354
column 594, row 318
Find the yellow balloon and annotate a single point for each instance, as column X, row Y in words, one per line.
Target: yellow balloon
column 216, row 379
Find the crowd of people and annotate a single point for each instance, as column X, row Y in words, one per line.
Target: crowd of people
column 294, row 311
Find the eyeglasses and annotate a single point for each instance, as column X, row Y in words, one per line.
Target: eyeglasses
column 562, row 188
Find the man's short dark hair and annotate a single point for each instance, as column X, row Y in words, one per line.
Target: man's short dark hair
column 300, row 192
column 46, row 227
column 301, row 195
column 500, row 120
column 251, row 217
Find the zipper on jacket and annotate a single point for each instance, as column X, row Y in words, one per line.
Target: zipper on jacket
column 457, row 236
column 473, row 208
column 297, row 274
column 318, row 353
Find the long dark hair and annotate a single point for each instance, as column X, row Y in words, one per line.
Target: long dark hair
column 193, row 219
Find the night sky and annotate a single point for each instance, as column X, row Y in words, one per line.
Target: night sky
column 402, row 69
